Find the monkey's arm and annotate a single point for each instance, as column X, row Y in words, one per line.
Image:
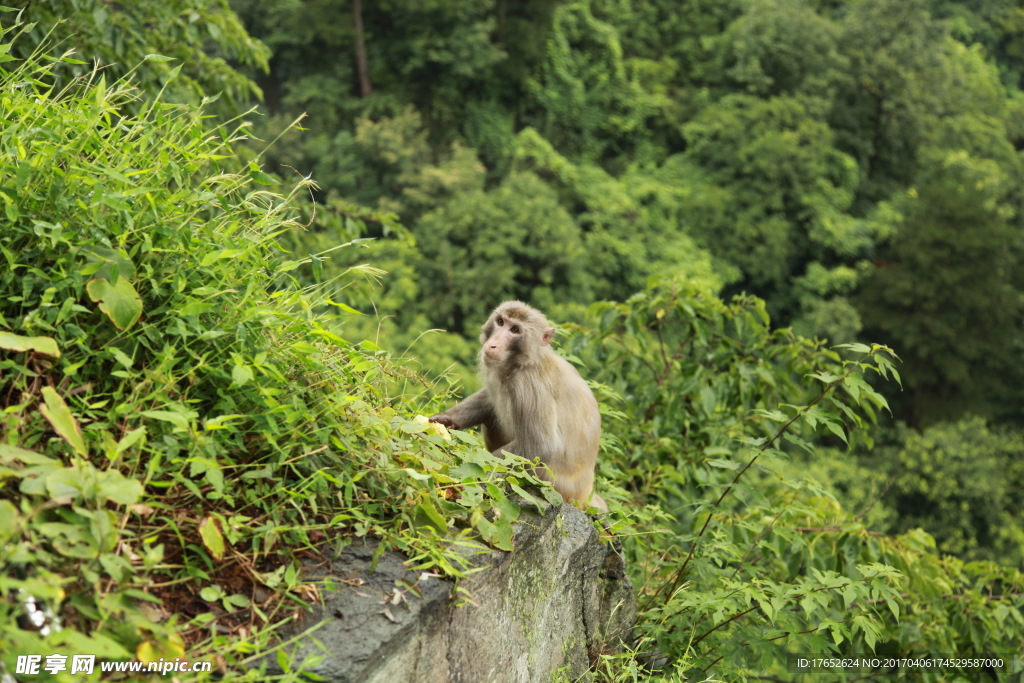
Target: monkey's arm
column 477, row 409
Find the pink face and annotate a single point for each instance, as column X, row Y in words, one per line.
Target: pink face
column 505, row 339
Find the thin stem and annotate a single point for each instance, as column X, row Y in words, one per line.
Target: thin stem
column 365, row 87
column 693, row 547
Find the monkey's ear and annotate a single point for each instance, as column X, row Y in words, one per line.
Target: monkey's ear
column 545, row 338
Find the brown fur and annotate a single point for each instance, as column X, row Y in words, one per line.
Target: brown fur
column 534, row 403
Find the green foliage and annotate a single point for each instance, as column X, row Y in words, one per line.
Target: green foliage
column 743, row 558
column 180, row 425
column 959, row 329
column 772, row 147
column 190, row 46
column 962, row 481
column 593, row 106
column 496, row 242
column 781, row 47
column 768, row 171
column 192, row 401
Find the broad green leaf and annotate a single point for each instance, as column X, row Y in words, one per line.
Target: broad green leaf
column 222, row 421
column 164, row 649
column 8, row 453
column 67, row 482
column 418, row 476
column 215, row 475
column 530, row 498
column 305, row 347
column 471, row 496
column 15, row 342
column 238, row 600
column 212, row 538
column 194, row 308
column 773, row 415
column 262, row 178
column 724, row 464
column 466, row 437
column 176, row 419
column 9, row 518
column 173, row 74
column 211, row 593
column 794, row 439
column 509, row 510
column 116, row 566
column 895, row 609
column 551, row 495
column 498, row 534
column 114, row 486
column 130, row 439
column 105, row 263
column 838, row 431
column 468, row 470
column 121, row 357
column 119, row 301
column 427, row 515
column 241, row 375
column 56, row 411
column 262, row 473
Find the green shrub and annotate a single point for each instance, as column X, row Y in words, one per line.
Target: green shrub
column 739, row 557
column 962, row 483
column 179, row 425
column 204, row 40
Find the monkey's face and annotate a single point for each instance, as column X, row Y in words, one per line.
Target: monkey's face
column 504, row 339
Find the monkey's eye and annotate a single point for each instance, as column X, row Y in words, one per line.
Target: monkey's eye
column 500, row 322
column 515, row 329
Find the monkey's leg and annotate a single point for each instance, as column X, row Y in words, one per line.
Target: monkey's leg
column 598, row 502
column 574, row 487
column 566, row 484
column 477, row 409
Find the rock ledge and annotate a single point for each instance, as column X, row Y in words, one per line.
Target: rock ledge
column 556, row 602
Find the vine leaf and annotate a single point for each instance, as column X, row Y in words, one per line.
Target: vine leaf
column 15, row 342
column 119, row 301
column 212, row 538
column 56, row 411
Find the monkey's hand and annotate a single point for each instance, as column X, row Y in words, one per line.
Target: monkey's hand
column 443, row 419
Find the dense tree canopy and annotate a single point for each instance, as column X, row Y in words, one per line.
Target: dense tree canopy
column 828, row 156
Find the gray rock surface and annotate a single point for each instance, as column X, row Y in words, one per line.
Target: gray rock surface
column 557, row 601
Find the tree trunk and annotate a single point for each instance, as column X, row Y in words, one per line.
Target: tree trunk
column 365, row 87
column 502, row 10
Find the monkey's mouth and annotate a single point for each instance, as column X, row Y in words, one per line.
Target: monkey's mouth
column 491, row 360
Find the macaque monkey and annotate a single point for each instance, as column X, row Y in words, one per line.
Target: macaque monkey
column 533, row 404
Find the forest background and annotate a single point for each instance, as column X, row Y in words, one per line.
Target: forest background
column 851, row 171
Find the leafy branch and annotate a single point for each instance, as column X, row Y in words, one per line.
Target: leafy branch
column 673, row 584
